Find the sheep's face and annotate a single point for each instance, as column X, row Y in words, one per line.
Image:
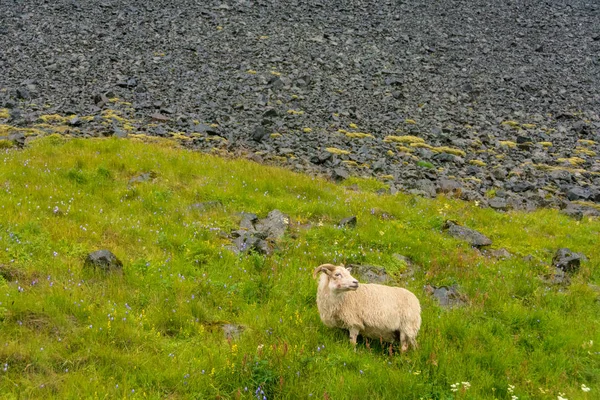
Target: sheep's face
column 340, row 279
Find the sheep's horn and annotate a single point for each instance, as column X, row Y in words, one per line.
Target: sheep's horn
column 323, row 268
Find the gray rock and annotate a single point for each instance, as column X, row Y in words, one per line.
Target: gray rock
column 498, row 203
column 447, row 186
column 259, row 133
column 369, row 273
column 203, row 128
column 103, row 260
column 23, row 94
column 248, row 221
column 566, row 260
column 259, row 234
column 578, row 193
column 471, row 236
column 143, row 177
column 274, row 225
column 247, row 241
column 340, row 174
column 18, row 139
column 447, row 296
column 348, row 222
column 425, row 186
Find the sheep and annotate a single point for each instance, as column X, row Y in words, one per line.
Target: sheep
column 375, row 311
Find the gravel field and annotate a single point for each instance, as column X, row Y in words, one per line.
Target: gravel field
column 492, row 101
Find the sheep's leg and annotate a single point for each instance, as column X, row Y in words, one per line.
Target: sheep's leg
column 403, row 341
column 353, row 336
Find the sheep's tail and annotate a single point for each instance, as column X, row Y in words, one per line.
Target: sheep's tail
column 323, row 268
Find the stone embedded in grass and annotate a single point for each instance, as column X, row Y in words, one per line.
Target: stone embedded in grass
column 248, row 221
column 339, row 174
column 498, row 203
column 447, row 296
column 370, row 273
column 143, row 177
column 567, row 260
column 259, row 234
column 103, row 260
column 348, row 222
column 501, row 254
column 18, row 139
column 579, row 211
column 471, row 236
column 274, row 226
column 448, row 186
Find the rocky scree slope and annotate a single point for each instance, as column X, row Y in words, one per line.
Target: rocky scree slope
column 491, row 101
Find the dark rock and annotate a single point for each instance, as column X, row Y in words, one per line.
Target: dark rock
column 369, row 273
column 520, row 187
column 103, row 260
column 120, row 133
column 248, row 221
column 471, row 236
column 448, row 186
column 566, row 260
column 321, row 157
column 274, row 225
column 445, row 157
column 447, row 296
column 348, row 222
column 270, row 113
column 561, row 175
column 247, row 241
column 23, row 94
column 498, row 203
column 75, row 121
column 203, row 128
column 582, row 129
column 259, row 235
column 379, row 165
column 426, row 187
column 573, row 211
column 100, row 99
column 128, row 83
column 18, row 139
column 340, row 174
column 259, row 133
column 578, row 193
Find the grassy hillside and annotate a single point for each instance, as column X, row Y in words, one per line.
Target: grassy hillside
column 155, row 331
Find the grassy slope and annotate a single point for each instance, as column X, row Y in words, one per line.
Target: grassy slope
column 154, row 331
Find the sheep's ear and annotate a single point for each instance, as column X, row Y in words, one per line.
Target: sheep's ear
column 326, row 268
column 349, row 269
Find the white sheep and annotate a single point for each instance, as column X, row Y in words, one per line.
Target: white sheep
column 374, row 311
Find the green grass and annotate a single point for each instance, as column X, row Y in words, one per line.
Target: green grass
column 154, row 331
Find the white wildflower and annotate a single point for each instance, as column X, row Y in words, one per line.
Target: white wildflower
column 585, row 388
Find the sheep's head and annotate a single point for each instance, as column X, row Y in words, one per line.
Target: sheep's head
column 340, row 279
